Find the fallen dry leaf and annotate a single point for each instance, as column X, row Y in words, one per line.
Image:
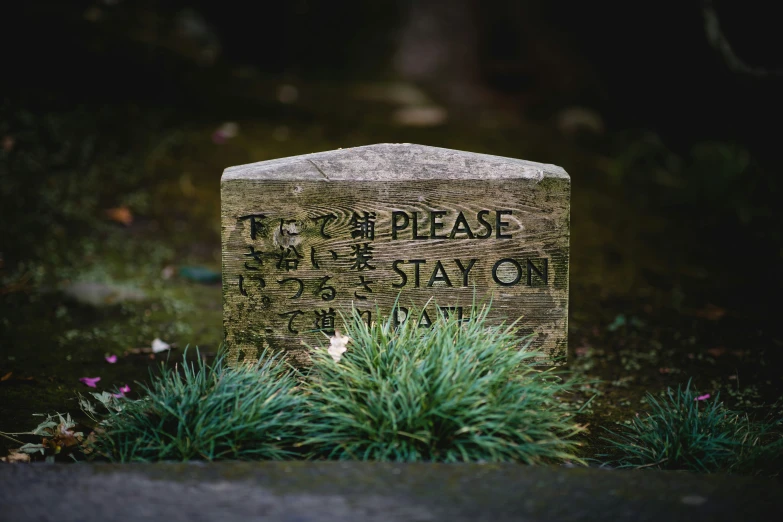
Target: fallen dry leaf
column 120, row 215
column 8, row 143
column 10, row 377
column 137, row 351
column 573, row 120
column 717, row 351
column 63, row 438
column 15, row 457
column 423, row 116
column 287, row 93
column 711, row 312
column 17, row 286
column 89, row 443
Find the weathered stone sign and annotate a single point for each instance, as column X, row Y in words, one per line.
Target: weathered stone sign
column 307, row 236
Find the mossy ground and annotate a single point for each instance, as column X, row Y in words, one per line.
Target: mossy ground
column 667, row 282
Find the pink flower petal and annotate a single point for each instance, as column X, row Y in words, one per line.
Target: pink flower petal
column 123, row 390
column 111, row 359
column 703, row 397
column 89, row 381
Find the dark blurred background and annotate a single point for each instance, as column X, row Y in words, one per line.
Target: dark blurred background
column 690, row 68
column 117, row 118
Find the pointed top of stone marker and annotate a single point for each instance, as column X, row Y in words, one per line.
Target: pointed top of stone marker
column 394, row 161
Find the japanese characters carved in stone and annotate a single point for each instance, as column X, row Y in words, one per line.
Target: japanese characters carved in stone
column 308, row 236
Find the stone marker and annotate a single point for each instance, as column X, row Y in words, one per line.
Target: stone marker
column 307, row 236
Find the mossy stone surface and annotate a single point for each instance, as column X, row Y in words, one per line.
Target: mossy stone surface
column 341, row 491
column 308, row 237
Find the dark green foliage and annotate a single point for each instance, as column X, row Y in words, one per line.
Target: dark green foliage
column 453, row 392
column 683, row 433
column 212, row 413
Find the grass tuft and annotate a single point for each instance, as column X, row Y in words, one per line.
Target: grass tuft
column 683, row 433
column 206, row 412
column 458, row 391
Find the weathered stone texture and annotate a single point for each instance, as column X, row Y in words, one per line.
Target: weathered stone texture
column 375, row 491
column 309, row 235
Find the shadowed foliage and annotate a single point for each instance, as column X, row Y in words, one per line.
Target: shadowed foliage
column 207, row 412
column 685, row 431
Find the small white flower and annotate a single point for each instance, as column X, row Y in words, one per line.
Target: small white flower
column 338, row 345
column 159, row 346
